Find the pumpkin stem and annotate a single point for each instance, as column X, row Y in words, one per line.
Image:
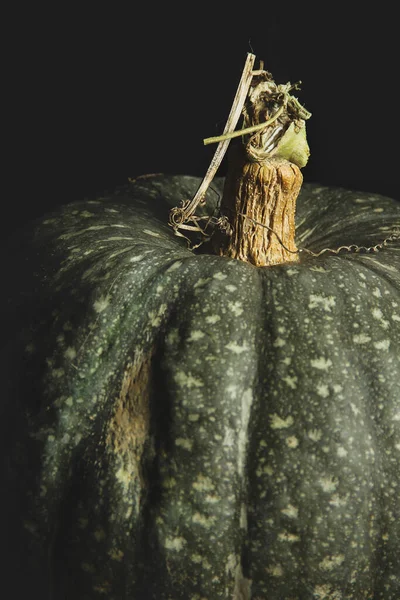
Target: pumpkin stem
column 259, row 203
column 257, row 212
column 264, row 178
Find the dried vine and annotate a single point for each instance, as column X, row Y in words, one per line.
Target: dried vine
column 351, row 248
column 181, row 215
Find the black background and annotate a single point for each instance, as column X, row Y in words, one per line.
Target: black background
column 102, row 94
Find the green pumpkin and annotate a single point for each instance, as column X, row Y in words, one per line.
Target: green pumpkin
column 187, row 426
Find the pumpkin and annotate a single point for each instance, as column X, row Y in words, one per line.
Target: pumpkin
column 180, row 425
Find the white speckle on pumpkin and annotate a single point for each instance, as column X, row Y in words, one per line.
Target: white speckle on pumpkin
column 187, row 380
column 51, row 438
column 70, row 353
column 321, row 363
column 331, row 562
column 116, row 238
column 377, row 314
column 193, row 417
column 174, row 266
column 197, row 559
column 236, row 308
column 377, row 293
column 101, row 304
column 203, row 483
column 342, row 452
column 291, row 272
column 231, row 288
column 99, row 535
column 323, row 390
column 232, row 391
column 203, row 520
column 220, row 276
column 176, row 543
column 275, row 570
column 328, row 484
column 378, row 210
column 325, row 302
column 86, row 214
column 212, row 319
column 247, row 400
column 236, row 348
column 285, row 536
column 67, row 236
column 212, row 498
column 325, row 592
column 57, row 373
column 69, row 401
column 196, row 335
column 116, row 554
column 201, row 282
column 243, row 517
column 315, row 435
column 137, row 258
column 319, row 269
column 290, row 511
column 361, row 338
column 338, row 501
column 65, row 438
column 124, row 477
column 172, row 337
column 229, row 437
column 265, row 470
column 337, row 388
column 279, row 342
column 278, row 423
column 292, row 441
column 184, row 443
column 290, row 381
column 354, row 408
column 153, row 233
column 382, row 345
column 396, row 317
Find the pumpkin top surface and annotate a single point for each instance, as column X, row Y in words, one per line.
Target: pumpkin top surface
column 281, row 381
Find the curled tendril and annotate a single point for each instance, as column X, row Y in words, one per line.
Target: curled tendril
column 177, row 215
column 351, row 248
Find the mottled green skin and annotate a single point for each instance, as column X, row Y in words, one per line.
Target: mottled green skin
column 274, row 394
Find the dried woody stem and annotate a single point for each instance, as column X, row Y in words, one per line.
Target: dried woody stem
column 180, row 215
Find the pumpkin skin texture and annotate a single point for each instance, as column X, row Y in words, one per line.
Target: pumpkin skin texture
column 182, row 426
